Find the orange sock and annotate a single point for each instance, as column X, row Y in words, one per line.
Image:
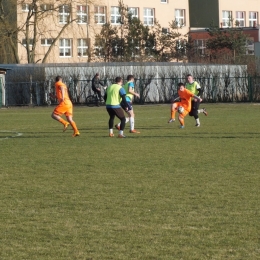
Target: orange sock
column 73, row 124
column 173, row 114
column 64, row 122
column 181, row 120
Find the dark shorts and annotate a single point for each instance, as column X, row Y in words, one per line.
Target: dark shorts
column 194, row 108
column 129, row 104
column 118, row 112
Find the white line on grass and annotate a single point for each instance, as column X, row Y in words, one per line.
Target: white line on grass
column 14, row 134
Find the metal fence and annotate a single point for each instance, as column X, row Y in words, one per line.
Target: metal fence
column 152, row 90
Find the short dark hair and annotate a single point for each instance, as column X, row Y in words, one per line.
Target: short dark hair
column 189, row 75
column 118, row 79
column 58, row 78
column 180, row 84
column 129, row 77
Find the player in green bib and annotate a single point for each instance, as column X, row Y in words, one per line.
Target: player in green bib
column 113, row 96
column 130, row 93
column 195, row 88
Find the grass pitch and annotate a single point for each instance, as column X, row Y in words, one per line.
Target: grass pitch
column 167, row 193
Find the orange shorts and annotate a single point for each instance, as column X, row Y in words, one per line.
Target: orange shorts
column 64, row 107
column 185, row 112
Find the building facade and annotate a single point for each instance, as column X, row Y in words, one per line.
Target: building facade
column 225, row 14
column 87, row 17
column 51, row 39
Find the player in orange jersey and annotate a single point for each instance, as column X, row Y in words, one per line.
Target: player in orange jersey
column 64, row 106
column 185, row 101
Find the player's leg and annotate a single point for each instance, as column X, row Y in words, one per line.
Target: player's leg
column 112, row 115
column 132, row 120
column 74, row 126
column 127, row 119
column 181, row 117
column 117, row 126
column 203, row 110
column 56, row 115
column 69, row 116
column 173, row 111
column 195, row 108
column 119, row 112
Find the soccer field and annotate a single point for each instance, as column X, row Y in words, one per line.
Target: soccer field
column 167, row 193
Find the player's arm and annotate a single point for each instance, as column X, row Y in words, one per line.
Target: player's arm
column 197, row 97
column 52, row 96
column 200, row 92
column 131, row 91
column 176, row 98
column 199, row 89
column 105, row 96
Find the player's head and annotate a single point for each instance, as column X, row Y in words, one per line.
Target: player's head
column 97, row 75
column 118, row 80
column 130, row 78
column 189, row 78
column 181, row 86
column 58, row 78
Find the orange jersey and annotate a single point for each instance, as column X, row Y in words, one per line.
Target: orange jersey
column 58, row 86
column 185, row 96
column 64, row 107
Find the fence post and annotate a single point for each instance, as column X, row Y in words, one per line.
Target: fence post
column 1, row 85
column 250, row 88
column 31, row 90
column 141, row 91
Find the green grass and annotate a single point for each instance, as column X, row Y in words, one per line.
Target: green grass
column 167, row 193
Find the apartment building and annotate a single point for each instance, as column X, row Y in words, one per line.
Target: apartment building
column 222, row 13
column 50, row 34
column 75, row 40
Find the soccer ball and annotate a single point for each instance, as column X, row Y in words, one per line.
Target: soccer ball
column 180, row 109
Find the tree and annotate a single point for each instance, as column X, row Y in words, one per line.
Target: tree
column 106, row 42
column 231, row 41
column 34, row 20
column 138, row 42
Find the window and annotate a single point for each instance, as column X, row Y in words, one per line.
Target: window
column 48, row 7
column 164, row 1
column 26, row 7
column 200, row 46
column 180, row 47
column 240, row 19
column 82, row 47
column 253, row 19
column 133, row 11
column 99, row 51
column 226, row 18
column 148, row 16
column 65, row 47
column 46, row 42
column 82, row 11
column 30, row 42
column 117, row 47
column 180, row 17
column 64, row 13
column 115, row 15
column 100, row 14
column 165, row 30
